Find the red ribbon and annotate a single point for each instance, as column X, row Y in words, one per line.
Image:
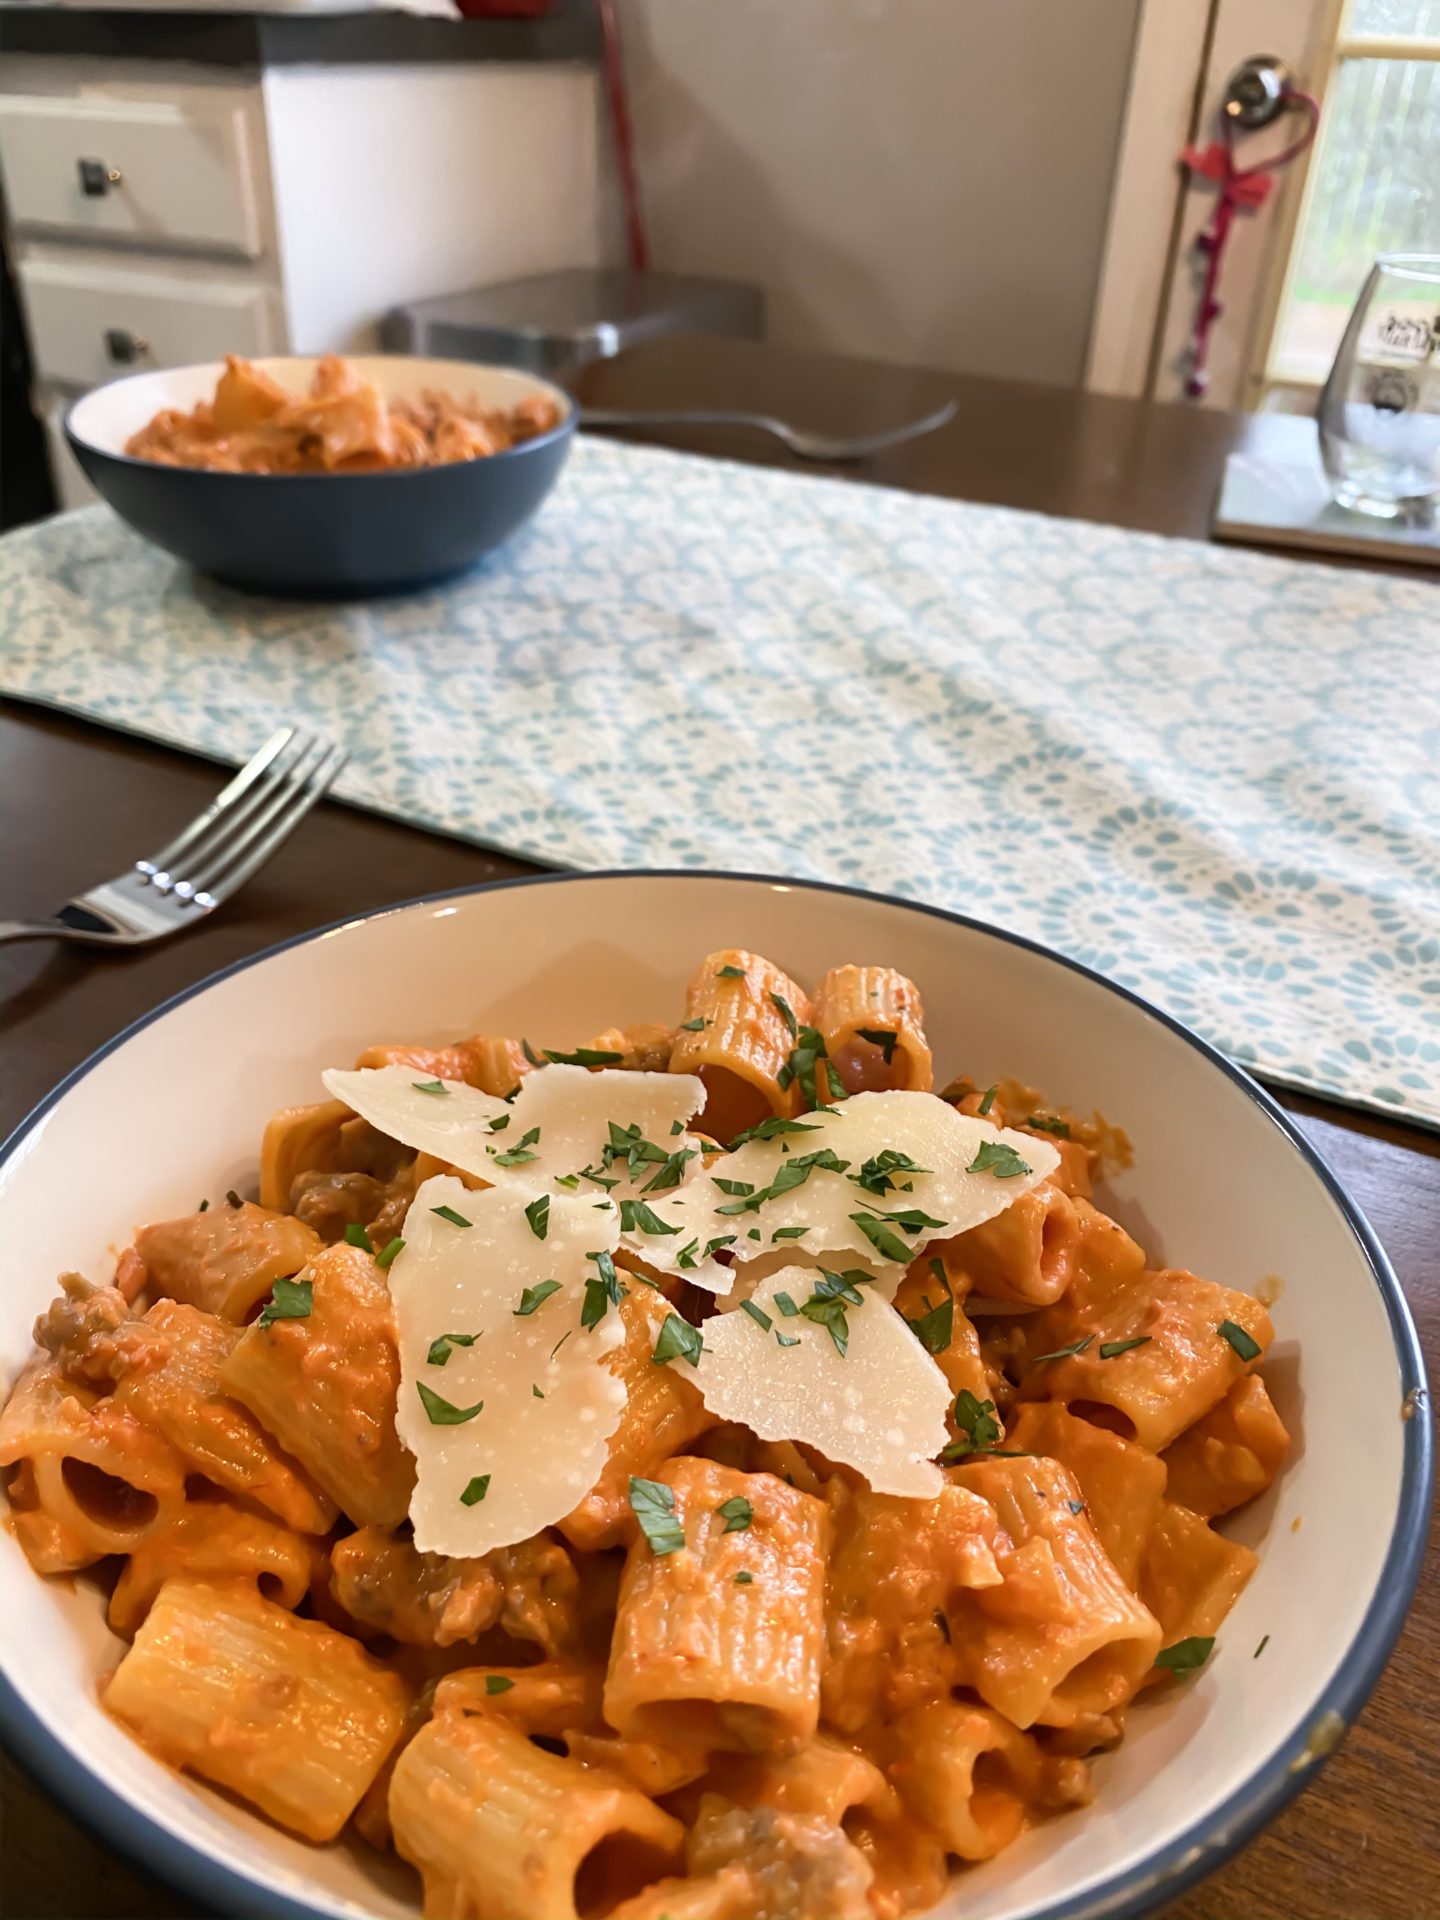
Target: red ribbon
column 1247, row 187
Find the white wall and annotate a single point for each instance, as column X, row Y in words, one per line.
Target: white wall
column 917, row 180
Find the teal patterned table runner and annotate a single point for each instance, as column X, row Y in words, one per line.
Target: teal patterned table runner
column 1215, row 775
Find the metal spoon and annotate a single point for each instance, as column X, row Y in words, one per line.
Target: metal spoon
column 806, row 445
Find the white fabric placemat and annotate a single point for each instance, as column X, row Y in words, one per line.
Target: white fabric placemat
column 1214, row 775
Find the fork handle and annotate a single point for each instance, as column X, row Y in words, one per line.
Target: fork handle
column 73, row 922
column 33, row 930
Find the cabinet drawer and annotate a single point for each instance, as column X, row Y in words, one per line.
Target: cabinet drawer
column 151, row 171
column 85, row 320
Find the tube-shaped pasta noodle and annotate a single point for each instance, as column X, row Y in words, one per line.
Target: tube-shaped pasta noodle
column 298, row 1140
column 384, row 1582
column 500, row 1828
column 698, row 1659
column 873, row 1025
column 225, row 1260
column 1121, row 1484
column 730, row 1894
column 645, row 1764
column 325, row 1386
column 663, row 1414
column 743, row 1042
column 824, row 1777
column 291, row 1716
column 1231, row 1454
column 176, row 1391
column 1106, row 1254
column 1027, row 1254
column 1062, row 1636
column 1191, row 1576
column 958, row 1356
column 897, row 1568
column 972, row 1777
column 103, row 1480
column 213, row 1540
column 1156, row 1354
column 488, row 1061
column 547, row 1699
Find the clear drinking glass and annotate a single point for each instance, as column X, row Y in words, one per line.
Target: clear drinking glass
column 1379, row 413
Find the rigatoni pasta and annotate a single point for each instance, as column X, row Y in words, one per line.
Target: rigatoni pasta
column 803, row 1477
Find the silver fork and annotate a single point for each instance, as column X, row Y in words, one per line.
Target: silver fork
column 800, row 441
column 215, row 855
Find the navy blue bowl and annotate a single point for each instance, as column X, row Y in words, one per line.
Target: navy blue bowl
column 328, row 534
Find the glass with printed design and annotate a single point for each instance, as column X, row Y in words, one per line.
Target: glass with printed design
column 1379, row 413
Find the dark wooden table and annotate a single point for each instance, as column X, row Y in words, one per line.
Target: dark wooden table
column 1363, row 1843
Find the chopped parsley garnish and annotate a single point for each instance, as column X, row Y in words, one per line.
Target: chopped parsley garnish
column 475, row 1492
column 653, row 1505
column 734, row 1186
column 794, row 1173
column 786, row 1305
column 678, row 1341
column 934, row 1328
column 602, row 1292
column 744, row 1579
column 636, row 1217
column 1041, row 1124
column 498, row 1683
column 533, row 1297
column 387, row 1254
column 736, row 1513
column 232, row 1199
column 583, row 1057
column 753, row 1234
column 441, row 1414
column 561, row 1341
column 499, row 1123
column 538, row 1214
column 1076, row 1506
column 570, row 1181
column 1065, row 1353
column 997, row 1158
column 439, row 1349
column 1186, row 1655
column 826, row 1306
column 676, row 1126
column 787, row 1339
column 1239, row 1339
column 788, row 1233
column 685, row 1258
column 357, row 1236
column 290, row 1300
column 787, row 1014
column 757, row 1314
column 979, row 1430
column 536, row 1391
column 987, row 1099
column 731, row 973
column 693, row 1026
column 772, row 1129
column 882, row 1037
column 519, row 1154
column 1261, row 1648
column 671, row 1168
column 204, row 1207
column 530, row 1054
column 449, row 1213
column 430, row 1086
column 942, row 1626
column 1110, row 1348
column 886, row 1242
column 807, row 1059
column 877, row 1175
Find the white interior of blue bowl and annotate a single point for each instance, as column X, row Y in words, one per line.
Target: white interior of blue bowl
column 176, row 1111
column 106, row 418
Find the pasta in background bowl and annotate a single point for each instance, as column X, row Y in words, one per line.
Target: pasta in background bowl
column 1217, row 1184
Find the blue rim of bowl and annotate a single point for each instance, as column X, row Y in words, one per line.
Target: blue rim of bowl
column 1134, row 1892
column 568, row 424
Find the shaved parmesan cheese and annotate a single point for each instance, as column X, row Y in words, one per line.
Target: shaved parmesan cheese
column 557, row 1125
column 531, row 1454
column 454, row 1125
column 843, row 1219
column 878, row 1407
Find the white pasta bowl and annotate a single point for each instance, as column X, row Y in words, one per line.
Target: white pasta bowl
column 1220, row 1183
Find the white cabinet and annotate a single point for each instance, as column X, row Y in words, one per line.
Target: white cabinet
column 165, row 212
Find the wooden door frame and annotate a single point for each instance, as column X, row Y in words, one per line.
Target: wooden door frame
column 1184, row 51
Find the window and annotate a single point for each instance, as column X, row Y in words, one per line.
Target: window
column 1374, row 182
